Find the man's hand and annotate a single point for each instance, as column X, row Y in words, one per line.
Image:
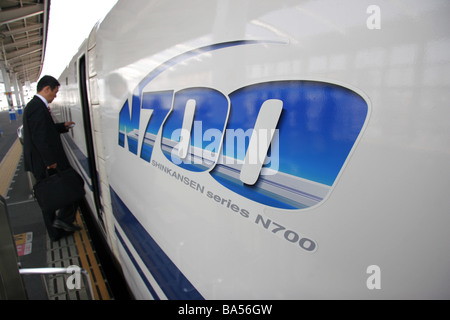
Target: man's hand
column 69, row 124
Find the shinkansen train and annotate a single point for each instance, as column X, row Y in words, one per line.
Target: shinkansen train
column 267, row 149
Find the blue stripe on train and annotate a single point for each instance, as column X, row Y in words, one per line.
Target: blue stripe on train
column 139, row 270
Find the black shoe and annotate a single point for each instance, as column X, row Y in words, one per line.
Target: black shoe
column 65, row 226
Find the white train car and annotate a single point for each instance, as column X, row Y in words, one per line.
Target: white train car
column 268, row 149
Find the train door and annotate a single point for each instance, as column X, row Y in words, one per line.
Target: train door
column 89, row 136
column 103, row 198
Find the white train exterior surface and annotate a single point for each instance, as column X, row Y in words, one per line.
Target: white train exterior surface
column 268, row 149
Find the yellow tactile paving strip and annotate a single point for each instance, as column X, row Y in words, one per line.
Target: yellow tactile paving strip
column 89, row 262
column 8, row 167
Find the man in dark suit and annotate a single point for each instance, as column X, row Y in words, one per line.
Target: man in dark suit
column 43, row 151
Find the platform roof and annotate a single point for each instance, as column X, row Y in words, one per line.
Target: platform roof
column 23, row 36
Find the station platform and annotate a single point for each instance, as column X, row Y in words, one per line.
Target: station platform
column 34, row 248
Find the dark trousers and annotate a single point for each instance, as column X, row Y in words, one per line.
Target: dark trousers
column 66, row 214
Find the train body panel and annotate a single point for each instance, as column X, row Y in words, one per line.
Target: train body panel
column 348, row 106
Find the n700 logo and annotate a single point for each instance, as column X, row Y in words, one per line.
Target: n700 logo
column 280, row 143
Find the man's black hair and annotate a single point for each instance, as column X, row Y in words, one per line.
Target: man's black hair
column 47, row 81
